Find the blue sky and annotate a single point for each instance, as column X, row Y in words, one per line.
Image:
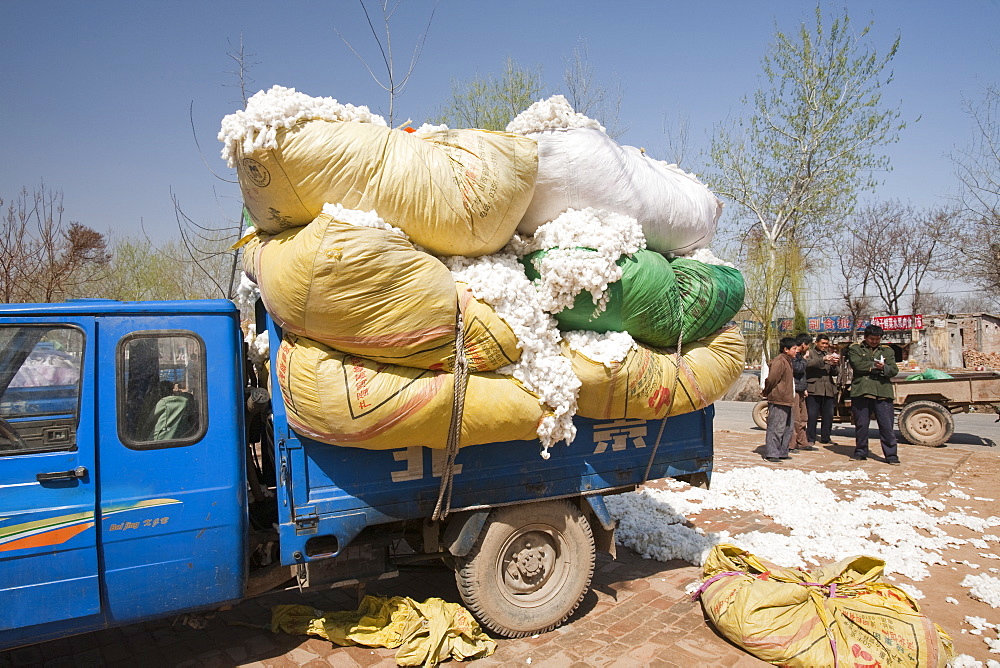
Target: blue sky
column 96, row 95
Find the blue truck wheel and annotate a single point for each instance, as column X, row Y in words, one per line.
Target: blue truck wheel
column 529, row 569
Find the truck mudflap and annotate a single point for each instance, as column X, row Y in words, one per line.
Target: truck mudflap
column 330, row 494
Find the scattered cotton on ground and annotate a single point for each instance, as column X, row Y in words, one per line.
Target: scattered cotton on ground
column 985, row 588
column 554, row 113
column 499, row 280
column 267, row 111
column 893, row 526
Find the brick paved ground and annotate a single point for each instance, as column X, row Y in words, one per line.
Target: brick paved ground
column 636, row 614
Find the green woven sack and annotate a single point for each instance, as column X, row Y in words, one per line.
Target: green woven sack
column 930, row 374
column 645, row 302
column 711, row 295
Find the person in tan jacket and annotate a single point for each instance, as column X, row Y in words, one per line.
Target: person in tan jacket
column 779, row 390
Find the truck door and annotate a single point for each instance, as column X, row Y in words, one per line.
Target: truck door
column 173, row 479
column 48, row 541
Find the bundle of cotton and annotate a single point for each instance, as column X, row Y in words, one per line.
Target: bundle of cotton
column 353, row 282
column 455, row 192
column 580, row 166
column 344, row 399
column 499, row 280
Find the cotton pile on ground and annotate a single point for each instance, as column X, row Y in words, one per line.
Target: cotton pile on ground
column 899, row 525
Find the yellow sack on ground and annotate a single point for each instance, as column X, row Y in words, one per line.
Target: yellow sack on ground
column 344, row 399
column 640, row 385
column 426, row 633
column 841, row 614
column 368, row 291
column 455, row 192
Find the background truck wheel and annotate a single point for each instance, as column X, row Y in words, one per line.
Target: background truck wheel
column 926, row 423
column 529, row 569
column 760, row 414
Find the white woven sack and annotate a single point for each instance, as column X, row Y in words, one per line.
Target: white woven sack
column 584, row 167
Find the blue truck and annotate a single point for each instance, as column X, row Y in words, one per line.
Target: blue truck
column 145, row 471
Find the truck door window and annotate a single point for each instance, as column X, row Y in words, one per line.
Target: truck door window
column 39, row 388
column 161, row 390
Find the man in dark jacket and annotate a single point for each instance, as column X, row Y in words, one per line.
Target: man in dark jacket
column 799, row 439
column 779, row 390
column 874, row 366
column 821, row 377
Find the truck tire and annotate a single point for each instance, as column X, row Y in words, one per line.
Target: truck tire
column 760, row 414
column 926, row 423
column 529, row 569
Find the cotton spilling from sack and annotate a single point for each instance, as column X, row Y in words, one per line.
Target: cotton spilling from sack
column 255, row 128
column 840, row 614
column 580, row 166
column 500, row 281
column 649, row 384
column 554, row 113
column 247, row 293
column 454, row 192
column 351, row 281
column 345, row 399
column 708, row 257
column 576, row 253
column 608, row 348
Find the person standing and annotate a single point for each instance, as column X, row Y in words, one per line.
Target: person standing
column 779, row 390
column 874, row 366
column 821, row 375
column 799, row 438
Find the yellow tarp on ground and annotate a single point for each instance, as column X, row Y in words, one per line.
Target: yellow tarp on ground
column 426, row 633
column 344, row 399
column 838, row 615
column 369, row 292
column 455, row 192
column 640, row 386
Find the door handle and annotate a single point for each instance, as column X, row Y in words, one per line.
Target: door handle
column 78, row 472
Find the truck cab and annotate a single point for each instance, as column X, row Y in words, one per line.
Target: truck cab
column 146, row 471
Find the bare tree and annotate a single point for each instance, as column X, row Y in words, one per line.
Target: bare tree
column 394, row 81
column 894, row 248
column 42, row 257
column 588, row 96
column 978, row 169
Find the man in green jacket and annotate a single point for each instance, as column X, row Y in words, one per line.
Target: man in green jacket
column 874, row 366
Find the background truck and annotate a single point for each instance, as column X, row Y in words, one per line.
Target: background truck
column 145, row 471
column 924, row 408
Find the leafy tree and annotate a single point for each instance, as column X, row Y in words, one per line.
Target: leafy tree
column 42, row 257
column 492, row 102
column 978, row 168
column 809, row 144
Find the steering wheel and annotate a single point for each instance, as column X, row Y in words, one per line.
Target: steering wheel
column 9, row 434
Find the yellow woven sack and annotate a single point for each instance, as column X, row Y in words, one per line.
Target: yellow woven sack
column 369, row 292
column 640, row 385
column 344, row 399
column 455, row 192
column 839, row 615
column 426, row 633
